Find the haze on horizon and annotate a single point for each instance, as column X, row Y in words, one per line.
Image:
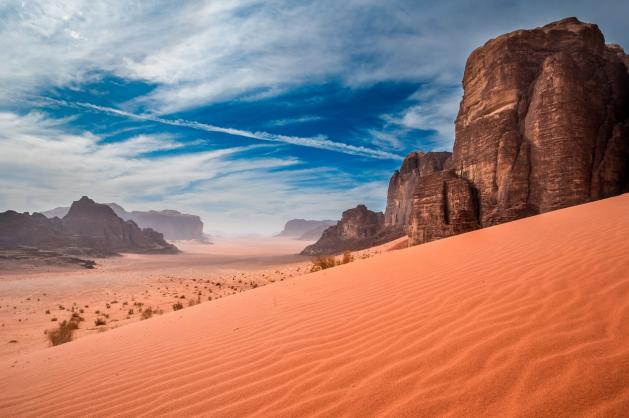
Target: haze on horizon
column 246, row 112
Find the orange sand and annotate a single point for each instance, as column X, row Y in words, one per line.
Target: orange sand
column 529, row 318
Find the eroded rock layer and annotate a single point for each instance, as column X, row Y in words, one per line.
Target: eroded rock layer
column 543, row 124
column 403, row 183
column 357, row 229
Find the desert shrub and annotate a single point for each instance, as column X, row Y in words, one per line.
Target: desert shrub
column 177, row 306
column 130, row 312
column 347, row 257
column 323, row 262
column 64, row 332
column 192, row 302
column 147, row 313
column 100, row 321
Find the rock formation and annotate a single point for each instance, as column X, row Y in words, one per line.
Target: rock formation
column 416, row 166
column 88, row 228
column 172, row 224
column 403, row 183
column 543, row 124
column 444, row 205
column 305, row 229
column 99, row 222
column 356, row 230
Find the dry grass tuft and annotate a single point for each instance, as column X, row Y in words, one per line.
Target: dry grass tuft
column 65, row 331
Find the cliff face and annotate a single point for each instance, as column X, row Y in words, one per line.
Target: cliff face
column 543, row 124
column 356, row 230
column 403, row 183
column 444, row 205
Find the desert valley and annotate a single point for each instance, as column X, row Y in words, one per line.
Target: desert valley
column 495, row 282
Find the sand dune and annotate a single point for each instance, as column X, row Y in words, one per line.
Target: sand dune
column 529, row 318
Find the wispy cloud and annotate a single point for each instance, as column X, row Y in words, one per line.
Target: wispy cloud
column 295, row 121
column 198, row 52
column 311, row 142
column 42, row 166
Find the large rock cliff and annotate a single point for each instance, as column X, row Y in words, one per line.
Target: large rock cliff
column 404, row 182
column 543, row 124
column 357, row 229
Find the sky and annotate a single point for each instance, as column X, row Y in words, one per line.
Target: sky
column 245, row 112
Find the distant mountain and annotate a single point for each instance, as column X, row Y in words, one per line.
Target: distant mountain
column 89, row 228
column 314, row 233
column 172, row 224
column 305, row 229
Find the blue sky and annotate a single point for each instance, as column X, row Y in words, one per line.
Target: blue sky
column 245, row 112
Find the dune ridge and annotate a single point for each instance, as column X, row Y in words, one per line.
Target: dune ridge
column 528, row 318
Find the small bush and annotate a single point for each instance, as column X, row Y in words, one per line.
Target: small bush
column 347, row 257
column 147, row 313
column 323, row 262
column 64, row 332
column 100, row 321
column 177, row 306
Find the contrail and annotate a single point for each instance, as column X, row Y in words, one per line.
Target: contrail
column 312, row 142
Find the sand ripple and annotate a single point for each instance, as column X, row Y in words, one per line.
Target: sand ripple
column 529, row 318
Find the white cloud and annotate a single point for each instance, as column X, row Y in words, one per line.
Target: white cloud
column 320, row 142
column 204, row 51
column 295, row 121
column 42, row 166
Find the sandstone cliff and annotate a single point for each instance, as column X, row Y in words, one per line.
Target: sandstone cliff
column 543, row 124
column 356, row 230
column 404, row 182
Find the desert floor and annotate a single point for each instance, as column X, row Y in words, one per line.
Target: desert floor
column 528, row 318
column 35, row 299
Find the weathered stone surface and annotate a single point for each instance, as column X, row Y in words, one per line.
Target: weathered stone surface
column 543, row 124
column 542, row 121
column 356, row 230
column 444, row 205
column 403, row 183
